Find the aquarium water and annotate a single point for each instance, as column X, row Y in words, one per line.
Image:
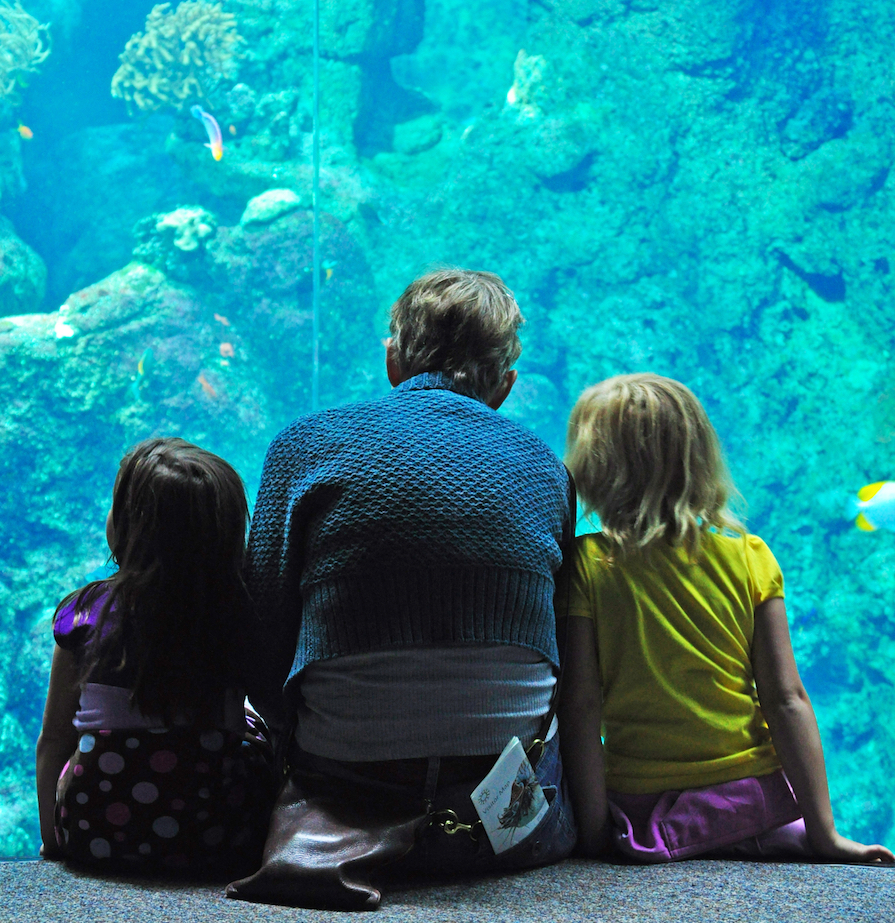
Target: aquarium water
column 205, row 215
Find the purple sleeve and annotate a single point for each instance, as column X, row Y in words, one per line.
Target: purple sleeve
column 74, row 623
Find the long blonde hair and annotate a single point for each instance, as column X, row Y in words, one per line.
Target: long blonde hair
column 647, row 460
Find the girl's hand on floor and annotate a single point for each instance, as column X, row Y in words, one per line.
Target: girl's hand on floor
column 839, row 848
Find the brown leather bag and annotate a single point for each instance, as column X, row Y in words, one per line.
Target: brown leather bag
column 327, row 839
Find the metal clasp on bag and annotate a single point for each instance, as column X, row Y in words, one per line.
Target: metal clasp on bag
column 542, row 745
column 450, row 823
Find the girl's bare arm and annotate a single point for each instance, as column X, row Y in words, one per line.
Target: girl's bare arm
column 793, row 725
column 580, row 718
column 56, row 743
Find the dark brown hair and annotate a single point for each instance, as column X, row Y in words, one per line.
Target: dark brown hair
column 178, row 527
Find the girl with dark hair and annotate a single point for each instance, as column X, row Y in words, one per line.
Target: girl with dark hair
column 147, row 754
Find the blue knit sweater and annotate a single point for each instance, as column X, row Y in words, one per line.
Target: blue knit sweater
column 419, row 518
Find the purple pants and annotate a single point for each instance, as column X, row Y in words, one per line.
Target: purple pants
column 748, row 818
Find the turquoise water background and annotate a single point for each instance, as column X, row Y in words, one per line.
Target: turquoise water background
column 701, row 188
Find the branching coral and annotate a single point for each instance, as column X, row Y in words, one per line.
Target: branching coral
column 24, row 44
column 181, row 56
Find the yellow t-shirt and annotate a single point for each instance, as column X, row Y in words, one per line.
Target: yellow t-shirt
column 674, row 644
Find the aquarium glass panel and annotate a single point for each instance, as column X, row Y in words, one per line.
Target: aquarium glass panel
column 698, row 188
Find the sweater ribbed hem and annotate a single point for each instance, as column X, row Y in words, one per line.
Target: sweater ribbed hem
column 410, row 608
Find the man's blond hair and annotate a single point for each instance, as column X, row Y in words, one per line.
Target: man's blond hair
column 461, row 322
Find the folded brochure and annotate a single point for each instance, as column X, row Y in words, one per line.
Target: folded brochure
column 509, row 800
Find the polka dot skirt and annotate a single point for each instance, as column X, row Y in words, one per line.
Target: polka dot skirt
column 169, row 798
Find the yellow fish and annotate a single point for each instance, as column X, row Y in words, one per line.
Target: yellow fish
column 142, row 368
column 145, row 359
column 876, row 506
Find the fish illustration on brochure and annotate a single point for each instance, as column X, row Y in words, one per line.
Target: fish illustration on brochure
column 510, row 800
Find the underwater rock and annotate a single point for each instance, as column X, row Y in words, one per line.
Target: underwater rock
column 12, row 180
column 266, row 273
column 361, row 100
column 23, row 275
column 418, row 135
column 112, row 176
column 241, row 102
column 582, row 98
column 130, row 361
column 822, row 117
column 845, row 172
column 269, row 206
column 269, row 122
column 642, row 326
column 463, row 63
column 352, row 28
column 586, row 12
column 269, row 133
column 382, row 106
column 698, row 37
column 341, row 87
column 575, row 179
column 827, row 282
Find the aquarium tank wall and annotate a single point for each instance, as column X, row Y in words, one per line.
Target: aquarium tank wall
column 699, row 188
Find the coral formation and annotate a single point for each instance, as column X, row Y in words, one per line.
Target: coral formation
column 174, row 241
column 24, row 44
column 269, row 206
column 189, row 227
column 23, row 275
column 183, row 55
column 528, row 73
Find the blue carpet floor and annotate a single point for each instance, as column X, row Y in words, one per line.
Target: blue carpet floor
column 687, row 892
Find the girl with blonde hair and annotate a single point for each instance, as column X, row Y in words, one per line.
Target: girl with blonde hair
column 678, row 651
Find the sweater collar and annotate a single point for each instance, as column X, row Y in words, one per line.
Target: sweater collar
column 431, row 381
